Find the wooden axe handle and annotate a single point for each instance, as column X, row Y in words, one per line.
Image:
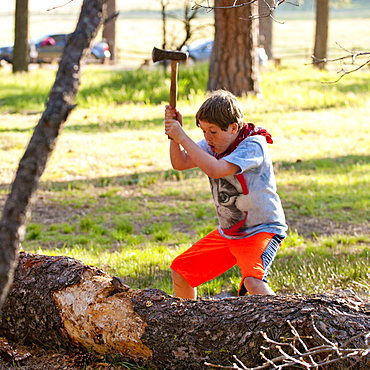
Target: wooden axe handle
column 173, row 88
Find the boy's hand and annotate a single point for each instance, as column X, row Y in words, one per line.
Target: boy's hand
column 173, row 123
column 173, row 113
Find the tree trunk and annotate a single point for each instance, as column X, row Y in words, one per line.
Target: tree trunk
column 321, row 36
column 16, row 212
column 265, row 29
column 164, row 5
column 234, row 59
column 109, row 30
column 60, row 302
column 20, row 57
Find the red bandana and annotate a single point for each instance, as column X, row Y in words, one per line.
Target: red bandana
column 249, row 129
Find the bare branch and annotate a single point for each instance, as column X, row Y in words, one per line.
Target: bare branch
column 268, row 13
column 111, row 18
column 352, row 55
column 60, row 6
column 307, row 359
column 345, row 72
column 300, row 339
column 208, row 7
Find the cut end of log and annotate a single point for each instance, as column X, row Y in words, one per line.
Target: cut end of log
column 96, row 318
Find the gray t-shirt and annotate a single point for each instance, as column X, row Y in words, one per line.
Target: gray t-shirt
column 247, row 202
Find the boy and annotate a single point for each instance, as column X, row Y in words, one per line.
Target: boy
column 235, row 157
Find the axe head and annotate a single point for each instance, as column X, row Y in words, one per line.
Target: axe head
column 159, row 54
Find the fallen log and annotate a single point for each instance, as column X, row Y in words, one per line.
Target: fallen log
column 61, row 303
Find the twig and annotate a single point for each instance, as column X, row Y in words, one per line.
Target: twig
column 352, row 55
column 240, row 363
column 208, row 7
column 60, row 6
column 235, row 5
column 344, row 72
column 296, row 335
column 306, row 359
column 221, row 366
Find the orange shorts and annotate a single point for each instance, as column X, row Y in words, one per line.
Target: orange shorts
column 214, row 254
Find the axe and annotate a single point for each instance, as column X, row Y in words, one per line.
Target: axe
column 174, row 57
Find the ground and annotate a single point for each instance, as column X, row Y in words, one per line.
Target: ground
column 41, row 359
column 49, row 213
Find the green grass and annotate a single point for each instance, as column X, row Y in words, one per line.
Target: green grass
column 23, row 93
column 330, row 263
column 113, row 200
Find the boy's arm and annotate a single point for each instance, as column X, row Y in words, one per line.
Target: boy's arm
column 180, row 159
column 193, row 156
column 211, row 166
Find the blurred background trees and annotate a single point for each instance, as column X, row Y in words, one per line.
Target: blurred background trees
column 109, row 30
column 20, row 53
column 322, row 29
column 265, row 27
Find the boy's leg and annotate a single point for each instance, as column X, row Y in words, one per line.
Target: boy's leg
column 208, row 258
column 255, row 255
column 182, row 288
column 257, row 286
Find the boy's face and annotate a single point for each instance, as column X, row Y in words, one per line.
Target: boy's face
column 217, row 139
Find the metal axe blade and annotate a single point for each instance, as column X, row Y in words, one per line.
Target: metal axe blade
column 160, row 54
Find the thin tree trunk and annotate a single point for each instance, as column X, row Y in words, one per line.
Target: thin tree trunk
column 109, row 30
column 234, row 59
column 321, row 35
column 20, row 53
column 60, row 302
column 265, row 29
column 16, row 212
column 164, row 4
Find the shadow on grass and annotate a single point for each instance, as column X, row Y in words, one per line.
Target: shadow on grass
column 329, row 188
column 112, row 87
column 113, row 125
column 24, row 102
column 142, row 179
column 149, row 86
column 129, row 124
column 336, row 164
column 360, row 87
column 109, row 126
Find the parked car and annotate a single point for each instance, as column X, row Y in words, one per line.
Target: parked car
column 46, row 48
column 201, row 50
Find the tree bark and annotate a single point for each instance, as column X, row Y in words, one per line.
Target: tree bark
column 265, row 29
column 16, row 212
column 20, row 57
column 60, row 302
column 321, row 35
column 234, row 59
column 109, row 30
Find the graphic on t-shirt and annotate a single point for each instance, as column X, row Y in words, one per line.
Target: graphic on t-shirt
column 226, row 196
